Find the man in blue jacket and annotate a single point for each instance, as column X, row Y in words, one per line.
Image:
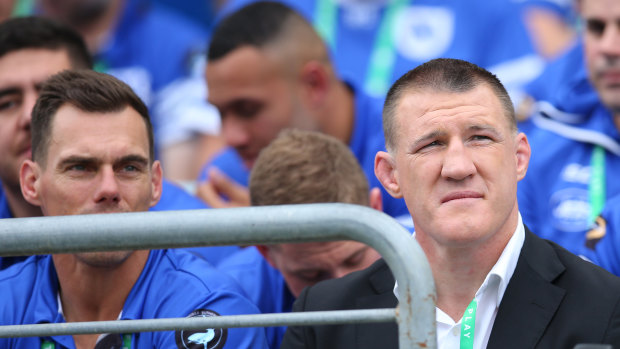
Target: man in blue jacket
column 575, row 139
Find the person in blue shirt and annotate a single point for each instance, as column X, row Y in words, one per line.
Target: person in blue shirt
column 31, row 50
column 93, row 152
column 301, row 167
column 575, row 138
column 373, row 42
column 268, row 70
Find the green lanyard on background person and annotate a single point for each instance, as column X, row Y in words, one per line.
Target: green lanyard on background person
column 47, row 344
column 383, row 55
column 596, row 187
column 468, row 325
column 23, row 8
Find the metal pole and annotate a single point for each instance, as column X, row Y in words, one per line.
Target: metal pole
column 197, row 323
column 248, row 225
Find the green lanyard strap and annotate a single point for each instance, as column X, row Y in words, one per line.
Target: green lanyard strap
column 468, row 325
column 383, row 55
column 596, row 188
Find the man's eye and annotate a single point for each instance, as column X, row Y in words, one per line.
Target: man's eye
column 595, row 27
column 247, row 109
column 480, row 138
column 7, row 104
column 76, row 168
column 130, row 168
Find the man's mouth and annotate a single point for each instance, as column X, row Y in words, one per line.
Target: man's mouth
column 460, row 195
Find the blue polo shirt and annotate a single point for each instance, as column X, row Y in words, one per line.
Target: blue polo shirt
column 172, row 284
column 264, row 286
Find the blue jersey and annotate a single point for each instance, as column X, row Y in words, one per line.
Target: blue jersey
column 5, row 210
column 264, row 286
column 366, row 140
column 603, row 239
column 555, row 198
column 403, row 34
column 172, row 284
column 160, row 54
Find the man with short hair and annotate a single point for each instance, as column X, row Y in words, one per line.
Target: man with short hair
column 576, row 137
column 301, row 167
column 93, row 153
column 455, row 156
column 268, row 70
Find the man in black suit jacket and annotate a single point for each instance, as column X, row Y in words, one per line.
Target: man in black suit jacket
column 455, row 155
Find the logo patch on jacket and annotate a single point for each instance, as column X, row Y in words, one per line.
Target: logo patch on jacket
column 210, row 338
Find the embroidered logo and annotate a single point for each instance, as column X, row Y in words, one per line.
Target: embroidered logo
column 210, row 338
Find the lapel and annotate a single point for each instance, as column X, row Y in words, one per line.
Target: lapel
column 378, row 335
column 531, row 299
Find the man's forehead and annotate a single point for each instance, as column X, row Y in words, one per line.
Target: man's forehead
column 31, row 66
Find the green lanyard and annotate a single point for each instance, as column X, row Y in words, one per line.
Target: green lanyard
column 383, row 55
column 468, row 325
column 596, row 188
column 47, row 344
column 23, row 8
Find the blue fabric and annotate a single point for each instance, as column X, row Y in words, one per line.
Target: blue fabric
column 553, row 197
column 488, row 33
column 564, row 83
column 264, row 286
column 172, row 284
column 175, row 198
column 366, row 140
column 5, row 210
column 607, row 252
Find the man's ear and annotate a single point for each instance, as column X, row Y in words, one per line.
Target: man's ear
column 375, row 199
column 523, row 153
column 315, row 81
column 265, row 251
column 157, row 178
column 29, row 174
column 386, row 172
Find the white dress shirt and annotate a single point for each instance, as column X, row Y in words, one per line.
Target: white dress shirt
column 488, row 296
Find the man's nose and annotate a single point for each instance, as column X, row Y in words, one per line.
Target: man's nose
column 610, row 41
column 30, row 98
column 108, row 188
column 235, row 132
column 457, row 162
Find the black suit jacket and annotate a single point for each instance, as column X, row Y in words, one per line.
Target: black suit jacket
column 553, row 300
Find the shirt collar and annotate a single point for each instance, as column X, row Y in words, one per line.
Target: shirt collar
column 503, row 269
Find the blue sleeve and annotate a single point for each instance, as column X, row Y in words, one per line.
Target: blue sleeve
column 175, row 198
column 229, row 163
column 218, row 302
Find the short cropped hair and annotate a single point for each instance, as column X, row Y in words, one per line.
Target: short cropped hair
column 42, row 33
column 86, row 90
column 442, row 75
column 262, row 24
column 300, row 167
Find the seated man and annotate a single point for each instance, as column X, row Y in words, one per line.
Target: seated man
column 301, row 167
column 269, row 70
column 455, row 155
column 92, row 152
